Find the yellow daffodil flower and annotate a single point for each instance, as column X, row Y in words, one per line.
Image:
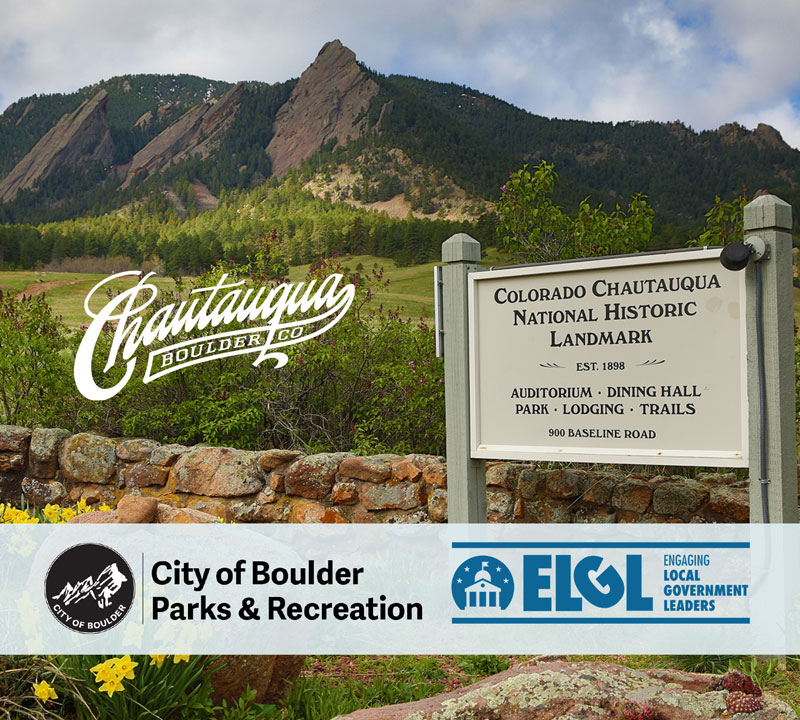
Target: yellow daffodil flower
column 124, row 667
column 157, row 660
column 111, row 686
column 44, row 692
column 179, row 658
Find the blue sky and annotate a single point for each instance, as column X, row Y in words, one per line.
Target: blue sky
column 705, row 62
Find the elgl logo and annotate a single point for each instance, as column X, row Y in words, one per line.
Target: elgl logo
column 89, row 588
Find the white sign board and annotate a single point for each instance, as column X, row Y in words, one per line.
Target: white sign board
column 635, row 359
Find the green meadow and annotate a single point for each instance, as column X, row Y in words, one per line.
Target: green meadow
column 409, row 290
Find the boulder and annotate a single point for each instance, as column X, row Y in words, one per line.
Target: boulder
column 218, row 472
column 274, row 458
column 14, row 438
column 633, row 495
column 587, row 690
column 167, row 455
column 169, row 514
column 733, row 503
column 309, row 511
column 97, row 517
column 136, row 449
column 679, row 498
column 45, row 444
column 88, row 458
column 399, row 496
column 132, row 509
column 142, row 474
column 313, row 476
column 435, row 474
column 43, row 492
column 375, row 468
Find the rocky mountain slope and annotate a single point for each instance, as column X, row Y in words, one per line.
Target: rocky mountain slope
column 196, row 132
column 79, row 139
column 344, row 127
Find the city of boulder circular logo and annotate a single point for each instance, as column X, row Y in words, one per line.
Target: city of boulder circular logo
column 89, row 588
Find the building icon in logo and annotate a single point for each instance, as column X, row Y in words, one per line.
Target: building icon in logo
column 482, row 582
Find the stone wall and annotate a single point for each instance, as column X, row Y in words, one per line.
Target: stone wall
column 55, row 466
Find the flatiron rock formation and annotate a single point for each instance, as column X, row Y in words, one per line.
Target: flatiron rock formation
column 196, row 132
column 329, row 101
column 78, row 140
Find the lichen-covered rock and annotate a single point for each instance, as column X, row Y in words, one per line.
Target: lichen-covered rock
column 274, row 458
column 601, row 488
column 12, row 462
column 399, row 496
column 14, row 438
column 503, row 475
column 499, row 506
column 435, row 474
column 344, row 493
column 88, row 458
column 43, row 492
column 136, row 449
column 632, row 494
column 250, row 511
column 733, row 503
column 309, row 511
column 169, row 514
column 93, row 493
column 547, row 511
column 313, row 476
column 218, row 472
column 586, row 690
column 532, row 483
column 142, row 474
column 437, row 505
column 567, row 485
column 679, row 498
column 375, row 468
column 43, row 454
column 166, row 455
column 411, row 467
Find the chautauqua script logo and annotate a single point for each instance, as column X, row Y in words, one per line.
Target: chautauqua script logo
column 285, row 315
column 89, row 588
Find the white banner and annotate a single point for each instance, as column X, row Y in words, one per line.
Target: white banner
column 506, row 589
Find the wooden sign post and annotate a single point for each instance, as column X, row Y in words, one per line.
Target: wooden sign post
column 649, row 358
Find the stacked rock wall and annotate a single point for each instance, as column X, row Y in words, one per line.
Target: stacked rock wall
column 55, row 466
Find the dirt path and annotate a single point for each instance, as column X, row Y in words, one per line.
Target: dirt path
column 38, row 288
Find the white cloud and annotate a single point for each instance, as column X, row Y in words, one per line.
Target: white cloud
column 706, row 62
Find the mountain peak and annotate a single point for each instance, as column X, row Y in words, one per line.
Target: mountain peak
column 334, row 48
column 328, row 103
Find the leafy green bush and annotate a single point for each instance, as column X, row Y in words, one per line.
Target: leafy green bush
column 34, row 369
column 370, row 382
column 536, row 230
